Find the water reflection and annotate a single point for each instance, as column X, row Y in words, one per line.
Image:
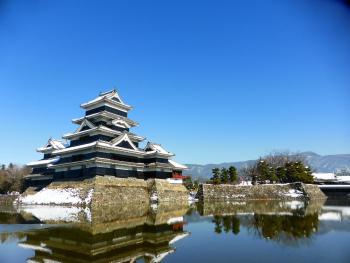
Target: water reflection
column 141, row 233
column 226, row 224
column 126, row 234
column 283, row 222
column 148, row 242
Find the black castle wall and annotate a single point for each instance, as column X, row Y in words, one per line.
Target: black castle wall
column 106, row 108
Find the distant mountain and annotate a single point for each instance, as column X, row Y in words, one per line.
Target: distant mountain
column 320, row 163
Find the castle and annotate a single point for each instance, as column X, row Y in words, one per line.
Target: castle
column 102, row 145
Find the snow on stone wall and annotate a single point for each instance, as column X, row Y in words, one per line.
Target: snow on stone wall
column 65, row 196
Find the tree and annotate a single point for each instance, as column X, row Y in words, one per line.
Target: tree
column 281, row 174
column 3, row 167
column 224, row 176
column 196, row 184
column 216, row 176
column 263, row 171
column 250, row 171
column 272, row 174
column 187, row 182
column 232, row 172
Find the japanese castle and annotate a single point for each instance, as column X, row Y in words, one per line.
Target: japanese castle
column 102, row 145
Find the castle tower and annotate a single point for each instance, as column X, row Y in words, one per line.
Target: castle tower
column 104, row 145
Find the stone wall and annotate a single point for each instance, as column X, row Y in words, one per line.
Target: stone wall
column 226, row 192
column 167, row 192
column 110, row 191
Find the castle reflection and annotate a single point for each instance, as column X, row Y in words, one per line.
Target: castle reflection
column 118, row 235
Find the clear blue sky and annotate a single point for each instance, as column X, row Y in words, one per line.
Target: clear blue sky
column 212, row 81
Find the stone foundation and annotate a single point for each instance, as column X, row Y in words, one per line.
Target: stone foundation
column 226, row 192
column 110, row 191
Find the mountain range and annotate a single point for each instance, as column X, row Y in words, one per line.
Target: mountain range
column 319, row 163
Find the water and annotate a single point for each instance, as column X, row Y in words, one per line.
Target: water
column 261, row 231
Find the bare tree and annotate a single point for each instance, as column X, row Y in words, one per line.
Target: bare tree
column 278, row 159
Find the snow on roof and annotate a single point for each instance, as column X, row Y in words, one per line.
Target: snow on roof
column 52, row 144
column 324, row 176
column 106, row 114
column 109, row 95
column 157, row 148
column 57, row 144
column 78, row 147
column 121, row 123
column 44, row 161
column 177, row 165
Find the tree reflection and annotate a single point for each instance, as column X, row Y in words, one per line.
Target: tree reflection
column 226, row 224
column 284, row 227
column 287, row 229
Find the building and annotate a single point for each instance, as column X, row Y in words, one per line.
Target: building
column 103, row 145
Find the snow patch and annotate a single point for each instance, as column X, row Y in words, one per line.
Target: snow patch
column 67, row 196
column 154, row 197
column 175, row 220
column 295, row 204
column 294, row 193
column 330, row 216
column 174, row 181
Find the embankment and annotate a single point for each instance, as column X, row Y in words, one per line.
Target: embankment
column 286, row 192
column 106, row 191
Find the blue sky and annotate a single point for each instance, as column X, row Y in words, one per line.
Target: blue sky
column 212, row 81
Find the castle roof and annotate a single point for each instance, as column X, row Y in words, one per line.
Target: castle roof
column 44, row 162
column 111, row 97
column 51, row 145
column 155, row 147
column 178, row 165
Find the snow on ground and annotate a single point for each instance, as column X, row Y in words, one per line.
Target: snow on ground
column 324, row 176
column 295, row 204
column 57, row 213
column 343, row 179
column 294, row 193
column 174, row 220
column 67, row 196
column 174, row 181
column 330, row 216
column 245, row 183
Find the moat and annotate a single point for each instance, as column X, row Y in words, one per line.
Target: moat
column 247, row 231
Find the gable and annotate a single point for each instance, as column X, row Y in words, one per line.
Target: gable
column 125, row 144
column 85, row 125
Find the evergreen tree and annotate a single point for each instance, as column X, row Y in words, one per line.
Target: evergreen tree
column 272, row 174
column 3, row 167
column 195, row 184
column 281, row 174
column 187, row 182
column 216, row 176
column 232, row 171
column 263, row 171
column 224, row 176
